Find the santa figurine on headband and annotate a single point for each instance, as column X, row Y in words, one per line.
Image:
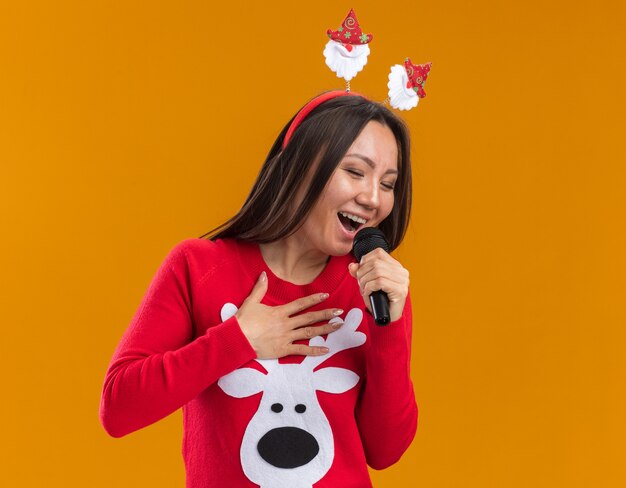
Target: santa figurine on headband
column 346, row 54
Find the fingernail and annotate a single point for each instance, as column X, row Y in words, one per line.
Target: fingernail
column 324, row 350
column 336, row 325
column 337, row 312
column 263, row 276
column 323, row 296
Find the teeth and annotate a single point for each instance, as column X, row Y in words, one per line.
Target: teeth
column 353, row 217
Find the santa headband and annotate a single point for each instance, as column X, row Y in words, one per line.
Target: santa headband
column 346, row 54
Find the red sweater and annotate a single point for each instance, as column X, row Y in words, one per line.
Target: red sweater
column 289, row 423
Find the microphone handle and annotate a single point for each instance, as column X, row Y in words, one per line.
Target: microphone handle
column 380, row 307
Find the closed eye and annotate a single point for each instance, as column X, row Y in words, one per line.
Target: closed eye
column 387, row 186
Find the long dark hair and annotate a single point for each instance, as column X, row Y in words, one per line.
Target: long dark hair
column 322, row 140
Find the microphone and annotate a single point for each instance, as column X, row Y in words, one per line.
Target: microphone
column 365, row 241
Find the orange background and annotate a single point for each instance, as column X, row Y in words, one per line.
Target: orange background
column 127, row 126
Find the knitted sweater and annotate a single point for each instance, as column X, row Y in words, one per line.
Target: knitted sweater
column 295, row 422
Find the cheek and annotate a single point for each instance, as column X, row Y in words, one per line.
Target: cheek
column 320, row 215
column 334, row 197
column 388, row 205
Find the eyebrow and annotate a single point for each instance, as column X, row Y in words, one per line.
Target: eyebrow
column 370, row 163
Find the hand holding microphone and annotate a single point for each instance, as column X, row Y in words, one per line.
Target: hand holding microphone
column 384, row 282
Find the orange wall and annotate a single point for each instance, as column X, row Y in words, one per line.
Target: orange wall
column 128, row 126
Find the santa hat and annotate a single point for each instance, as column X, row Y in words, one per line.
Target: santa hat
column 417, row 74
column 349, row 32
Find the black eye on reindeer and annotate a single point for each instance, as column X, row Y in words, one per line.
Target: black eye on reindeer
column 278, row 407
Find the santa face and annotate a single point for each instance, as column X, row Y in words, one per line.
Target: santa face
column 346, row 60
column 358, row 194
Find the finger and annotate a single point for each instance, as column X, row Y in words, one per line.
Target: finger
column 375, row 285
column 352, row 269
column 375, row 259
column 393, row 290
column 381, row 272
column 259, row 289
column 303, row 303
column 378, row 253
column 383, row 267
column 370, row 266
column 311, row 331
column 314, row 317
column 303, row 350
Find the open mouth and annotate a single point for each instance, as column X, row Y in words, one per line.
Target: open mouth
column 350, row 222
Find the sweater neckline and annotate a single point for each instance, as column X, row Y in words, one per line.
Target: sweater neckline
column 327, row 281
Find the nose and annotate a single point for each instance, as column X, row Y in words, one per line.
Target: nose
column 369, row 196
column 288, row 447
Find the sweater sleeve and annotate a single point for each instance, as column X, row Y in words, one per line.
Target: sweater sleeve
column 386, row 412
column 158, row 366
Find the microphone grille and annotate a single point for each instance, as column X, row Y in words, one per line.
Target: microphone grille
column 368, row 239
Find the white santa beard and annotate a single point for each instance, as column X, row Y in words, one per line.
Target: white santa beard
column 346, row 64
column 400, row 96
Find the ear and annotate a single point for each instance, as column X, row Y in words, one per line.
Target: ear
column 242, row 382
column 228, row 310
column 334, row 380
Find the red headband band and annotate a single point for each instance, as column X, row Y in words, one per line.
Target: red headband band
column 308, row 108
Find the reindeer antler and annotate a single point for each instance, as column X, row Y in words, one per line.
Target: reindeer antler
column 346, row 337
column 268, row 364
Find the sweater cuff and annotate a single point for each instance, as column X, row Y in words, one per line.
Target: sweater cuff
column 390, row 338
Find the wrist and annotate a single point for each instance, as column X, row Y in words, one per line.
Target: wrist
column 396, row 310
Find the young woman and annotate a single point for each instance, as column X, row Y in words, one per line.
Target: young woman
column 277, row 281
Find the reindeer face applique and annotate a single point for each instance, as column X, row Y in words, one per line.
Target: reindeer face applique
column 289, row 443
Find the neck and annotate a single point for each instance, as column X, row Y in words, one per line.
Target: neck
column 292, row 260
